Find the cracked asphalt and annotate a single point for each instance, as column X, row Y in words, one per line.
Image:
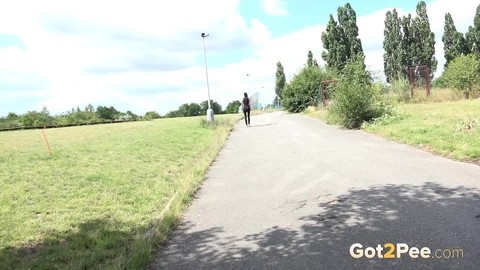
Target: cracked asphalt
column 291, row 192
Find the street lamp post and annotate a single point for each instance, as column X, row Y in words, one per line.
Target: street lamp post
column 209, row 111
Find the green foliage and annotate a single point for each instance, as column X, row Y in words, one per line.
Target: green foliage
column 355, row 100
column 217, row 108
column 11, row 121
column 75, row 116
column 391, row 115
column 279, row 80
column 463, row 74
column 194, row 109
column 233, row 106
column 340, row 40
column 107, row 113
column 392, row 45
column 303, row 89
column 473, row 34
column 151, row 115
column 408, row 43
column 34, row 118
column 310, row 59
column 128, row 116
column 439, row 83
column 401, row 89
column 217, row 123
column 454, row 43
column 424, row 40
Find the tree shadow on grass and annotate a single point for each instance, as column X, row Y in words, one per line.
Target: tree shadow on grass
column 428, row 215
column 95, row 244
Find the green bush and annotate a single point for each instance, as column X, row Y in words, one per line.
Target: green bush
column 355, row 99
column 463, row 74
column 303, row 89
column 401, row 90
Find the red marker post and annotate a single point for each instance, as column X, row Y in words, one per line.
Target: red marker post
column 46, row 141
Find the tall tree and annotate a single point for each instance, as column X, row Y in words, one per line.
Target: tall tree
column 310, row 60
column 347, row 19
column 424, row 40
column 332, row 54
column 408, row 43
column 392, row 45
column 473, row 34
column 279, row 80
column 454, row 43
column 340, row 40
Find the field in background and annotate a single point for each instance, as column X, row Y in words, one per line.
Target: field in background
column 449, row 128
column 97, row 202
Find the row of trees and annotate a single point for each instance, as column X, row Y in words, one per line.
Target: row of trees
column 456, row 43
column 75, row 116
column 408, row 41
column 341, row 45
column 196, row 109
column 90, row 114
column 304, row 88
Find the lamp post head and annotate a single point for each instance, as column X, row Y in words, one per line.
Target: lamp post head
column 205, row 35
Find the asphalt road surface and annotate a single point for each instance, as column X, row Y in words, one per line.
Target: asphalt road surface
column 291, row 192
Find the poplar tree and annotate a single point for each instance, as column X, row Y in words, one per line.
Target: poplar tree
column 454, row 43
column 392, row 45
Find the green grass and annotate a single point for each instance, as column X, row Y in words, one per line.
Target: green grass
column 451, row 129
column 107, row 194
column 320, row 113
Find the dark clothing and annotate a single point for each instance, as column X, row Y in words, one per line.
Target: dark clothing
column 246, row 103
column 246, row 114
column 246, row 110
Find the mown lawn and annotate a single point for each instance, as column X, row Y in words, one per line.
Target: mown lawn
column 450, row 128
column 98, row 201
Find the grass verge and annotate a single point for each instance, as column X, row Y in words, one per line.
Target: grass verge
column 450, row 129
column 106, row 196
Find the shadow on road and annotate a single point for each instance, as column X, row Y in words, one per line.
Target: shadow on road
column 429, row 215
column 262, row 125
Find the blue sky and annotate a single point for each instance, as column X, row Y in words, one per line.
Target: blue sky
column 310, row 12
column 148, row 55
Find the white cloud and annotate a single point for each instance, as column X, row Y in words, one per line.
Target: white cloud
column 149, row 55
column 275, row 7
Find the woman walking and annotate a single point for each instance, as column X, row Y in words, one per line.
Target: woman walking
column 246, row 109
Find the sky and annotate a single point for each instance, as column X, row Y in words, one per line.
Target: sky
column 147, row 55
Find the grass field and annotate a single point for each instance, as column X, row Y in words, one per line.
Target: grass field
column 451, row 128
column 98, row 201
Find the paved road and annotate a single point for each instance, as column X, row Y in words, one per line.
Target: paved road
column 293, row 193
